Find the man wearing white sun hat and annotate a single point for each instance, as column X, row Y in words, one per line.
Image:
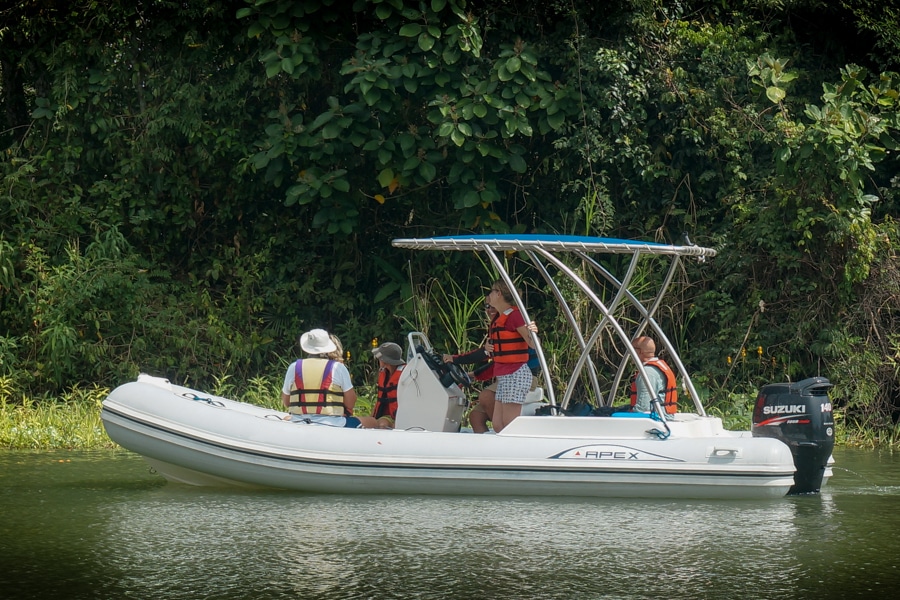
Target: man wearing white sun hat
column 318, row 390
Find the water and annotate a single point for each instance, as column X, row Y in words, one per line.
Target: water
column 100, row 525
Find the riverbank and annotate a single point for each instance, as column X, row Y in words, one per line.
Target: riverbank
column 73, row 421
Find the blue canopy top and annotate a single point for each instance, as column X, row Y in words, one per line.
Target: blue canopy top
column 549, row 242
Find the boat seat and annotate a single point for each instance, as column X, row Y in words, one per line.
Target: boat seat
column 631, row 415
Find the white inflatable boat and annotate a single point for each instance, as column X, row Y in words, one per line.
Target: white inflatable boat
column 193, row 437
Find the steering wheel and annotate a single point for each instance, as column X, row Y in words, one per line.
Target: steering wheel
column 460, row 377
column 437, row 364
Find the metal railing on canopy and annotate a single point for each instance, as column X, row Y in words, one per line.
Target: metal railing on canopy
column 546, row 252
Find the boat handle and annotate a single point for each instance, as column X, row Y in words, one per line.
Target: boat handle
column 724, row 453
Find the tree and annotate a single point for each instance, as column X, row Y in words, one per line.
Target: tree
column 190, row 184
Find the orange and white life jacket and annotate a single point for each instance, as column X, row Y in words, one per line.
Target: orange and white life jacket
column 670, row 398
column 386, row 402
column 509, row 346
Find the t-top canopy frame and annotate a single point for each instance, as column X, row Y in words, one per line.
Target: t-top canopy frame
column 543, row 251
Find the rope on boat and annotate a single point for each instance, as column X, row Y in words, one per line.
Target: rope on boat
column 660, row 434
column 655, row 414
column 209, row 401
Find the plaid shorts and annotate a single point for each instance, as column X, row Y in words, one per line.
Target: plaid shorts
column 514, row 387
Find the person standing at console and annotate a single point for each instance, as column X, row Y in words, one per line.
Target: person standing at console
column 508, row 344
column 483, row 410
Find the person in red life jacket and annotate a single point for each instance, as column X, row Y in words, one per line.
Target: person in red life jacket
column 318, row 389
column 483, row 410
column 508, row 343
column 662, row 379
column 391, row 364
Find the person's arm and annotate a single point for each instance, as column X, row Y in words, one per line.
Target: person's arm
column 527, row 332
column 472, row 357
column 350, row 400
column 286, row 386
column 484, row 373
column 526, row 335
column 341, row 376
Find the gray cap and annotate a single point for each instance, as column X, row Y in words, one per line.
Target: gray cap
column 390, row 353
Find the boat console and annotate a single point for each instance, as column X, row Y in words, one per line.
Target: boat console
column 429, row 393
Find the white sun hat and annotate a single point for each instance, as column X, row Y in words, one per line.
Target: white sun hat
column 317, row 341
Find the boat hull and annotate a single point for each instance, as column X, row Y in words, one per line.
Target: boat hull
column 199, row 439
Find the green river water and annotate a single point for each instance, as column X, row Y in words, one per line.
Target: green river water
column 80, row 525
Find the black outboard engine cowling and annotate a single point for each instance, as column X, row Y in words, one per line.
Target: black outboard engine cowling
column 799, row 414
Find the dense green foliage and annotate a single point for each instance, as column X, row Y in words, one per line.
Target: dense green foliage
column 188, row 185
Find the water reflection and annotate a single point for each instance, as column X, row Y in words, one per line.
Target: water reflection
column 101, row 526
column 340, row 547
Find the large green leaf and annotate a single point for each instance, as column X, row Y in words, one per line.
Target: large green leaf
column 426, row 42
column 517, row 163
column 556, row 120
column 411, row 30
column 427, row 171
column 385, row 177
column 775, row 94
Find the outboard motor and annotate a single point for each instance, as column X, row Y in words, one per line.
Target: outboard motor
column 799, row 414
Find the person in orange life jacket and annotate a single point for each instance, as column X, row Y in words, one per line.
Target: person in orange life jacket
column 662, row 379
column 483, row 410
column 508, row 344
column 318, row 389
column 391, row 363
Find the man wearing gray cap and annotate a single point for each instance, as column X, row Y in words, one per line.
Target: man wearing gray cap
column 391, row 363
column 318, row 390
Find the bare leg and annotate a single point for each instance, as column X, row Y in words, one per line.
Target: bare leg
column 483, row 412
column 498, row 422
column 504, row 413
column 478, row 419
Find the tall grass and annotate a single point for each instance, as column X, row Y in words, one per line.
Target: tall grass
column 72, row 422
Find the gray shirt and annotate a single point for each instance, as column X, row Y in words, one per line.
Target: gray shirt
column 658, row 383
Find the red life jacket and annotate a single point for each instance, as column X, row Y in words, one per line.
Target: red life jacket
column 322, row 396
column 386, row 403
column 670, row 399
column 509, row 346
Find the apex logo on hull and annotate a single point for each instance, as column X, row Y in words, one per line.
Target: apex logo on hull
column 610, row 452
